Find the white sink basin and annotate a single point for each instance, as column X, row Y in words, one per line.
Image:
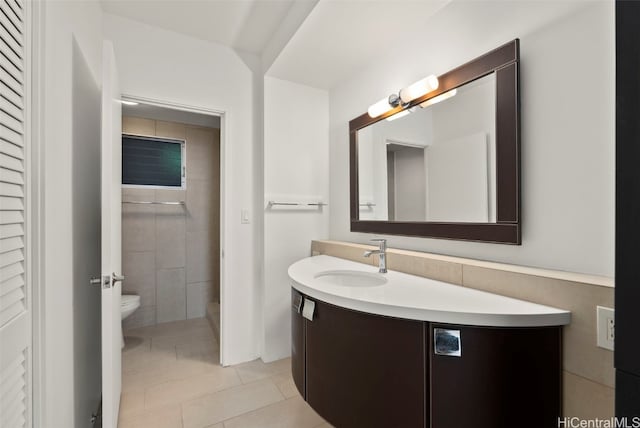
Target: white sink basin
column 351, row 278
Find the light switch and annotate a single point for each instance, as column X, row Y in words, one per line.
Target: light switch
column 244, row 217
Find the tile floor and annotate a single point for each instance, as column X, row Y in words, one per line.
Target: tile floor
column 171, row 378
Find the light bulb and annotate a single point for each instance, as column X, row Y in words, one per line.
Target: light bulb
column 419, row 88
column 439, row 98
column 381, row 107
column 403, row 113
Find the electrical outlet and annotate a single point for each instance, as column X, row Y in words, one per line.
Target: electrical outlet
column 606, row 327
column 610, row 329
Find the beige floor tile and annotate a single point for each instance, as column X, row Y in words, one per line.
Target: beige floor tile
column 291, row 413
column 174, row 328
column 214, row 408
column 256, row 370
column 205, row 351
column 178, row 391
column 173, row 370
column 200, row 335
column 131, row 402
column 135, row 344
column 147, row 359
column 163, row 417
column 284, row 382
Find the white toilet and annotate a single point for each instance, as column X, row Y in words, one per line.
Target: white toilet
column 128, row 305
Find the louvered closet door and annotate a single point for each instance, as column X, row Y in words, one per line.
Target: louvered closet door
column 15, row 314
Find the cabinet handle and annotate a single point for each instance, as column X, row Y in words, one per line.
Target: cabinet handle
column 447, row 342
column 308, row 308
column 297, row 305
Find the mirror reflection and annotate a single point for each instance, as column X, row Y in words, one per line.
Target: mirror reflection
column 434, row 163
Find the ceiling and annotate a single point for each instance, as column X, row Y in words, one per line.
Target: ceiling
column 339, row 37
column 317, row 43
column 244, row 25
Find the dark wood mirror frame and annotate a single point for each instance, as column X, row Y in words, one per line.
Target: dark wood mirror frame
column 504, row 62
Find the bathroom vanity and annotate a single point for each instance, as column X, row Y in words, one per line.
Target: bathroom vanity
column 397, row 350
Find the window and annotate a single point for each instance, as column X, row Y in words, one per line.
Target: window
column 153, row 162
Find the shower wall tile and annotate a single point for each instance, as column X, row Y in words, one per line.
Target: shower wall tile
column 138, row 221
column 170, row 195
column 170, row 241
column 142, row 317
column 200, row 205
column 171, row 130
column 171, row 295
column 202, row 153
column 198, row 295
column 139, row 270
column 171, row 252
column 138, row 126
column 200, row 257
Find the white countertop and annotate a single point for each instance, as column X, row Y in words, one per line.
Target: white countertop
column 413, row 297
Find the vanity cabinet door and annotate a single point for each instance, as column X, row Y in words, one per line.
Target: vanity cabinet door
column 503, row 377
column 365, row 370
column 297, row 342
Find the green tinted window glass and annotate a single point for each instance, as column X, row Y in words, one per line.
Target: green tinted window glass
column 151, row 161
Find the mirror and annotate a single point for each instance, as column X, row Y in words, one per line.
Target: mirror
column 436, row 163
column 447, row 164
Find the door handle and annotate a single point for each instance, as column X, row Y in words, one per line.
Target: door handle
column 117, row 278
column 105, row 281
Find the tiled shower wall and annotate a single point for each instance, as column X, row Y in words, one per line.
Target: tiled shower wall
column 170, row 254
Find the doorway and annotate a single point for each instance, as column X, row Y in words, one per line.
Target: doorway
column 171, row 240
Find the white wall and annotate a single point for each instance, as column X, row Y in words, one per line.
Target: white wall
column 66, row 387
column 296, row 163
column 567, row 82
column 167, row 66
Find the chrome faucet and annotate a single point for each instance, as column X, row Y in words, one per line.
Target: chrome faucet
column 381, row 252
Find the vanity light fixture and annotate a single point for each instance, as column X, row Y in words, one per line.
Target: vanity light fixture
column 418, row 89
column 403, row 113
column 441, row 97
column 404, row 97
column 381, row 107
column 128, row 103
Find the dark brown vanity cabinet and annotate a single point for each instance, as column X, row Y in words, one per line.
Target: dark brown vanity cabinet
column 364, row 370
column 503, row 378
column 361, row 370
column 297, row 342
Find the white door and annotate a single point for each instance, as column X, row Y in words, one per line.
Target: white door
column 111, row 238
column 15, row 296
